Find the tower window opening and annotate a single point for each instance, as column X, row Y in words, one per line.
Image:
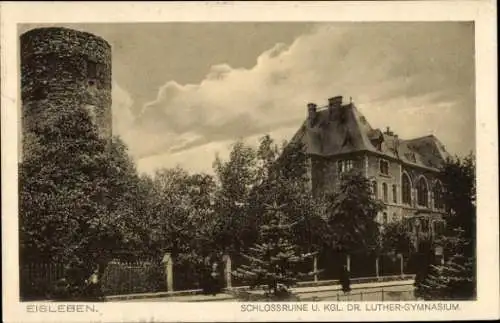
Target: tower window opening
column 91, row 69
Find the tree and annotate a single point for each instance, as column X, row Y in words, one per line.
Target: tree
column 273, row 258
column 180, row 211
column 455, row 279
column 253, row 178
column 236, row 178
column 76, row 193
column 396, row 238
column 458, row 176
column 352, row 215
column 285, row 179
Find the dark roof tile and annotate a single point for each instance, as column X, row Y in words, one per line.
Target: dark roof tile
column 344, row 129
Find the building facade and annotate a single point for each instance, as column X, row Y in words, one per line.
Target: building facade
column 403, row 173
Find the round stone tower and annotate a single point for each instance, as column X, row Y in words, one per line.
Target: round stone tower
column 63, row 66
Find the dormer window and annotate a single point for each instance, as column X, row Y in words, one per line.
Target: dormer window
column 384, row 167
column 411, row 157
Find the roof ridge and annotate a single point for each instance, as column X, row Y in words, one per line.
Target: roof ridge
column 421, row 137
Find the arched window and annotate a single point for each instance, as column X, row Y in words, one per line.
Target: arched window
column 385, row 192
column 406, row 186
column 438, row 196
column 394, row 194
column 384, row 219
column 374, row 189
column 422, row 192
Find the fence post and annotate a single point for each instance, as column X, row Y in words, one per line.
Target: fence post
column 348, row 260
column 227, row 270
column 169, row 273
column 315, row 268
column 401, row 265
column 377, row 268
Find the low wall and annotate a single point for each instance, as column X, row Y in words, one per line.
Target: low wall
column 398, row 280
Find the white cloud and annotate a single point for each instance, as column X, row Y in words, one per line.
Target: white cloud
column 122, row 116
column 391, row 71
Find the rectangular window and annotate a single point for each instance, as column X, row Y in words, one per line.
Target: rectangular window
column 345, row 165
column 349, row 165
column 394, row 194
column 384, row 167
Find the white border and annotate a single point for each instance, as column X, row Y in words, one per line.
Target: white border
column 482, row 12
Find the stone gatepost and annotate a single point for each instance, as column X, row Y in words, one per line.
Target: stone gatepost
column 227, row 270
column 315, row 268
column 169, row 272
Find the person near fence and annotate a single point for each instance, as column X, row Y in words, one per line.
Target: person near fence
column 215, row 278
column 93, row 287
column 61, row 290
column 345, row 280
column 210, row 277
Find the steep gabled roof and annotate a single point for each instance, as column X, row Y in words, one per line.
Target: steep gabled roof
column 343, row 129
column 335, row 131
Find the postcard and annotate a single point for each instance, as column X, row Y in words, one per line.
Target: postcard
column 249, row 161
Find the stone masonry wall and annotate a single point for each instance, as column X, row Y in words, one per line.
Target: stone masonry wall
column 65, row 66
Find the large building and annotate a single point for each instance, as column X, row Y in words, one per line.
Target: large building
column 65, row 68
column 403, row 173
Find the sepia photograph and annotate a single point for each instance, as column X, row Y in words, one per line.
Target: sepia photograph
column 243, row 164
column 268, row 163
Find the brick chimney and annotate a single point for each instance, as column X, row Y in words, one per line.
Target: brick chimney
column 389, row 132
column 311, row 113
column 333, row 103
column 396, row 144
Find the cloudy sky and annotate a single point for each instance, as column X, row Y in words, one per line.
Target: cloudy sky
column 183, row 92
